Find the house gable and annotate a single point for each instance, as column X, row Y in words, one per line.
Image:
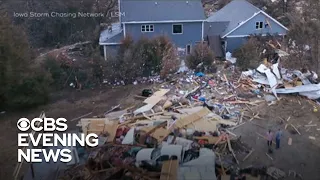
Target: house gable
column 260, row 23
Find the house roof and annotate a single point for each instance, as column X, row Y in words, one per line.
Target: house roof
column 214, row 28
column 111, row 37
column 161, row 10
column 235, row 12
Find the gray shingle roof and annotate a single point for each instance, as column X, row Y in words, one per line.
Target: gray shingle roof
column 114, row 36
column 235, row 12
column 161, row 10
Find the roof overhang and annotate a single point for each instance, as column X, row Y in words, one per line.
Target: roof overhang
column 109, row 44
column 254, row 15
column 239, row 36
column 166, row 21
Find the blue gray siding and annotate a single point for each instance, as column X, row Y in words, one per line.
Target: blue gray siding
column 235, row 43
column 192, row 32
column 250, row 27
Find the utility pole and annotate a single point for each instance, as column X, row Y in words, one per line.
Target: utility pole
column 285, row 6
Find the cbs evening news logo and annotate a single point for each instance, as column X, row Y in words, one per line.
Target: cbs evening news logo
column 47, row 138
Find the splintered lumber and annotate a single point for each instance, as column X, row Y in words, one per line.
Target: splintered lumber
column 231, row 150
column 248, row 155
column 295, row 129
column 184, row 121
column 169, row 170
column 152, row 101
column 210, row 139
column 311, row 137
column 310, row 125
column 233, row 128
column 223, row 171
column 81, row 116
column 290, row 141
column 269, row 156
column 255, row 116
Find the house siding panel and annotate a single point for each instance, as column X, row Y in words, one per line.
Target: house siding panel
column 192, row 32
column 250, row 27
column 235, row 43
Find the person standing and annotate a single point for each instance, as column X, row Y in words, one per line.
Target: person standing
column 269, row 138
column 278, row 136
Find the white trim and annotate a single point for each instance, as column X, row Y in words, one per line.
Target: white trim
column 145, row 28
column 237, row 36
column 170, row 21
column 202, row 32
column 187, row 49
column 119, row 10
column 255, row 14
column 124, row 30
column 259, row 25
column 106, row 44
column 274, row 20
column 181, row 29
column 105, row 52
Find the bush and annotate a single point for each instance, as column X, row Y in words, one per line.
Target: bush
column 30, row 91
column 142, row 58
column 201, row 53
column 250, row 55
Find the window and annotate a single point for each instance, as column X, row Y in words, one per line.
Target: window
column 177, row 29
column 259, row 25
column 188, row 49
column 147, row 28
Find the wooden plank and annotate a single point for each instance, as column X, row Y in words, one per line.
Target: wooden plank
column 210, row 139
column 156, row 97
column 169, row 170
column 182, row 122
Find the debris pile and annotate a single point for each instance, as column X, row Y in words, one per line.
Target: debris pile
column 271, row 78
column 187, row 123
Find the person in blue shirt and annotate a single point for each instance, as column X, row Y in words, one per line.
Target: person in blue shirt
column 278, row 136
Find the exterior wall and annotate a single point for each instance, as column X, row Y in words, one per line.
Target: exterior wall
column 250, row 27
column 235, row 43
column 192, row 32
column 111, row 50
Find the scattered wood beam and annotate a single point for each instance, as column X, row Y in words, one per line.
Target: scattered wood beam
column 295, row 129
column 269, row 156
column 248, row 155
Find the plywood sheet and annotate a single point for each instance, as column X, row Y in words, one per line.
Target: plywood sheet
column 182, row 122
column 156, row 97
column 160, row 133
column 169, row 170
column 203, row 125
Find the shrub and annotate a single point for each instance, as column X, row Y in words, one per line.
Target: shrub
column 250, row 55
column 142, row 58
column 201, row 53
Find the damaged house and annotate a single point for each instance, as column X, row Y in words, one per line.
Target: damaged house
column 185, row 23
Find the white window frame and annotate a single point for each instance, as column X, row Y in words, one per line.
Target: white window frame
column 147, row 28
column 177, row 25
column 258, row 25
column 187, row 49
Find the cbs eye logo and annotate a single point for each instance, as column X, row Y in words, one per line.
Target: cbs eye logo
column 23, row 124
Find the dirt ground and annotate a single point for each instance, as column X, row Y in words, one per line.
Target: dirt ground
column 68, row 104
column 302, row 156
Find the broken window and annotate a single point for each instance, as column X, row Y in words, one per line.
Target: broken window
column 147, row 28
column 188, row 49
column 177, row 29
column 259, row 25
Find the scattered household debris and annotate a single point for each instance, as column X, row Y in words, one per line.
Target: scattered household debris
column 188, row 121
